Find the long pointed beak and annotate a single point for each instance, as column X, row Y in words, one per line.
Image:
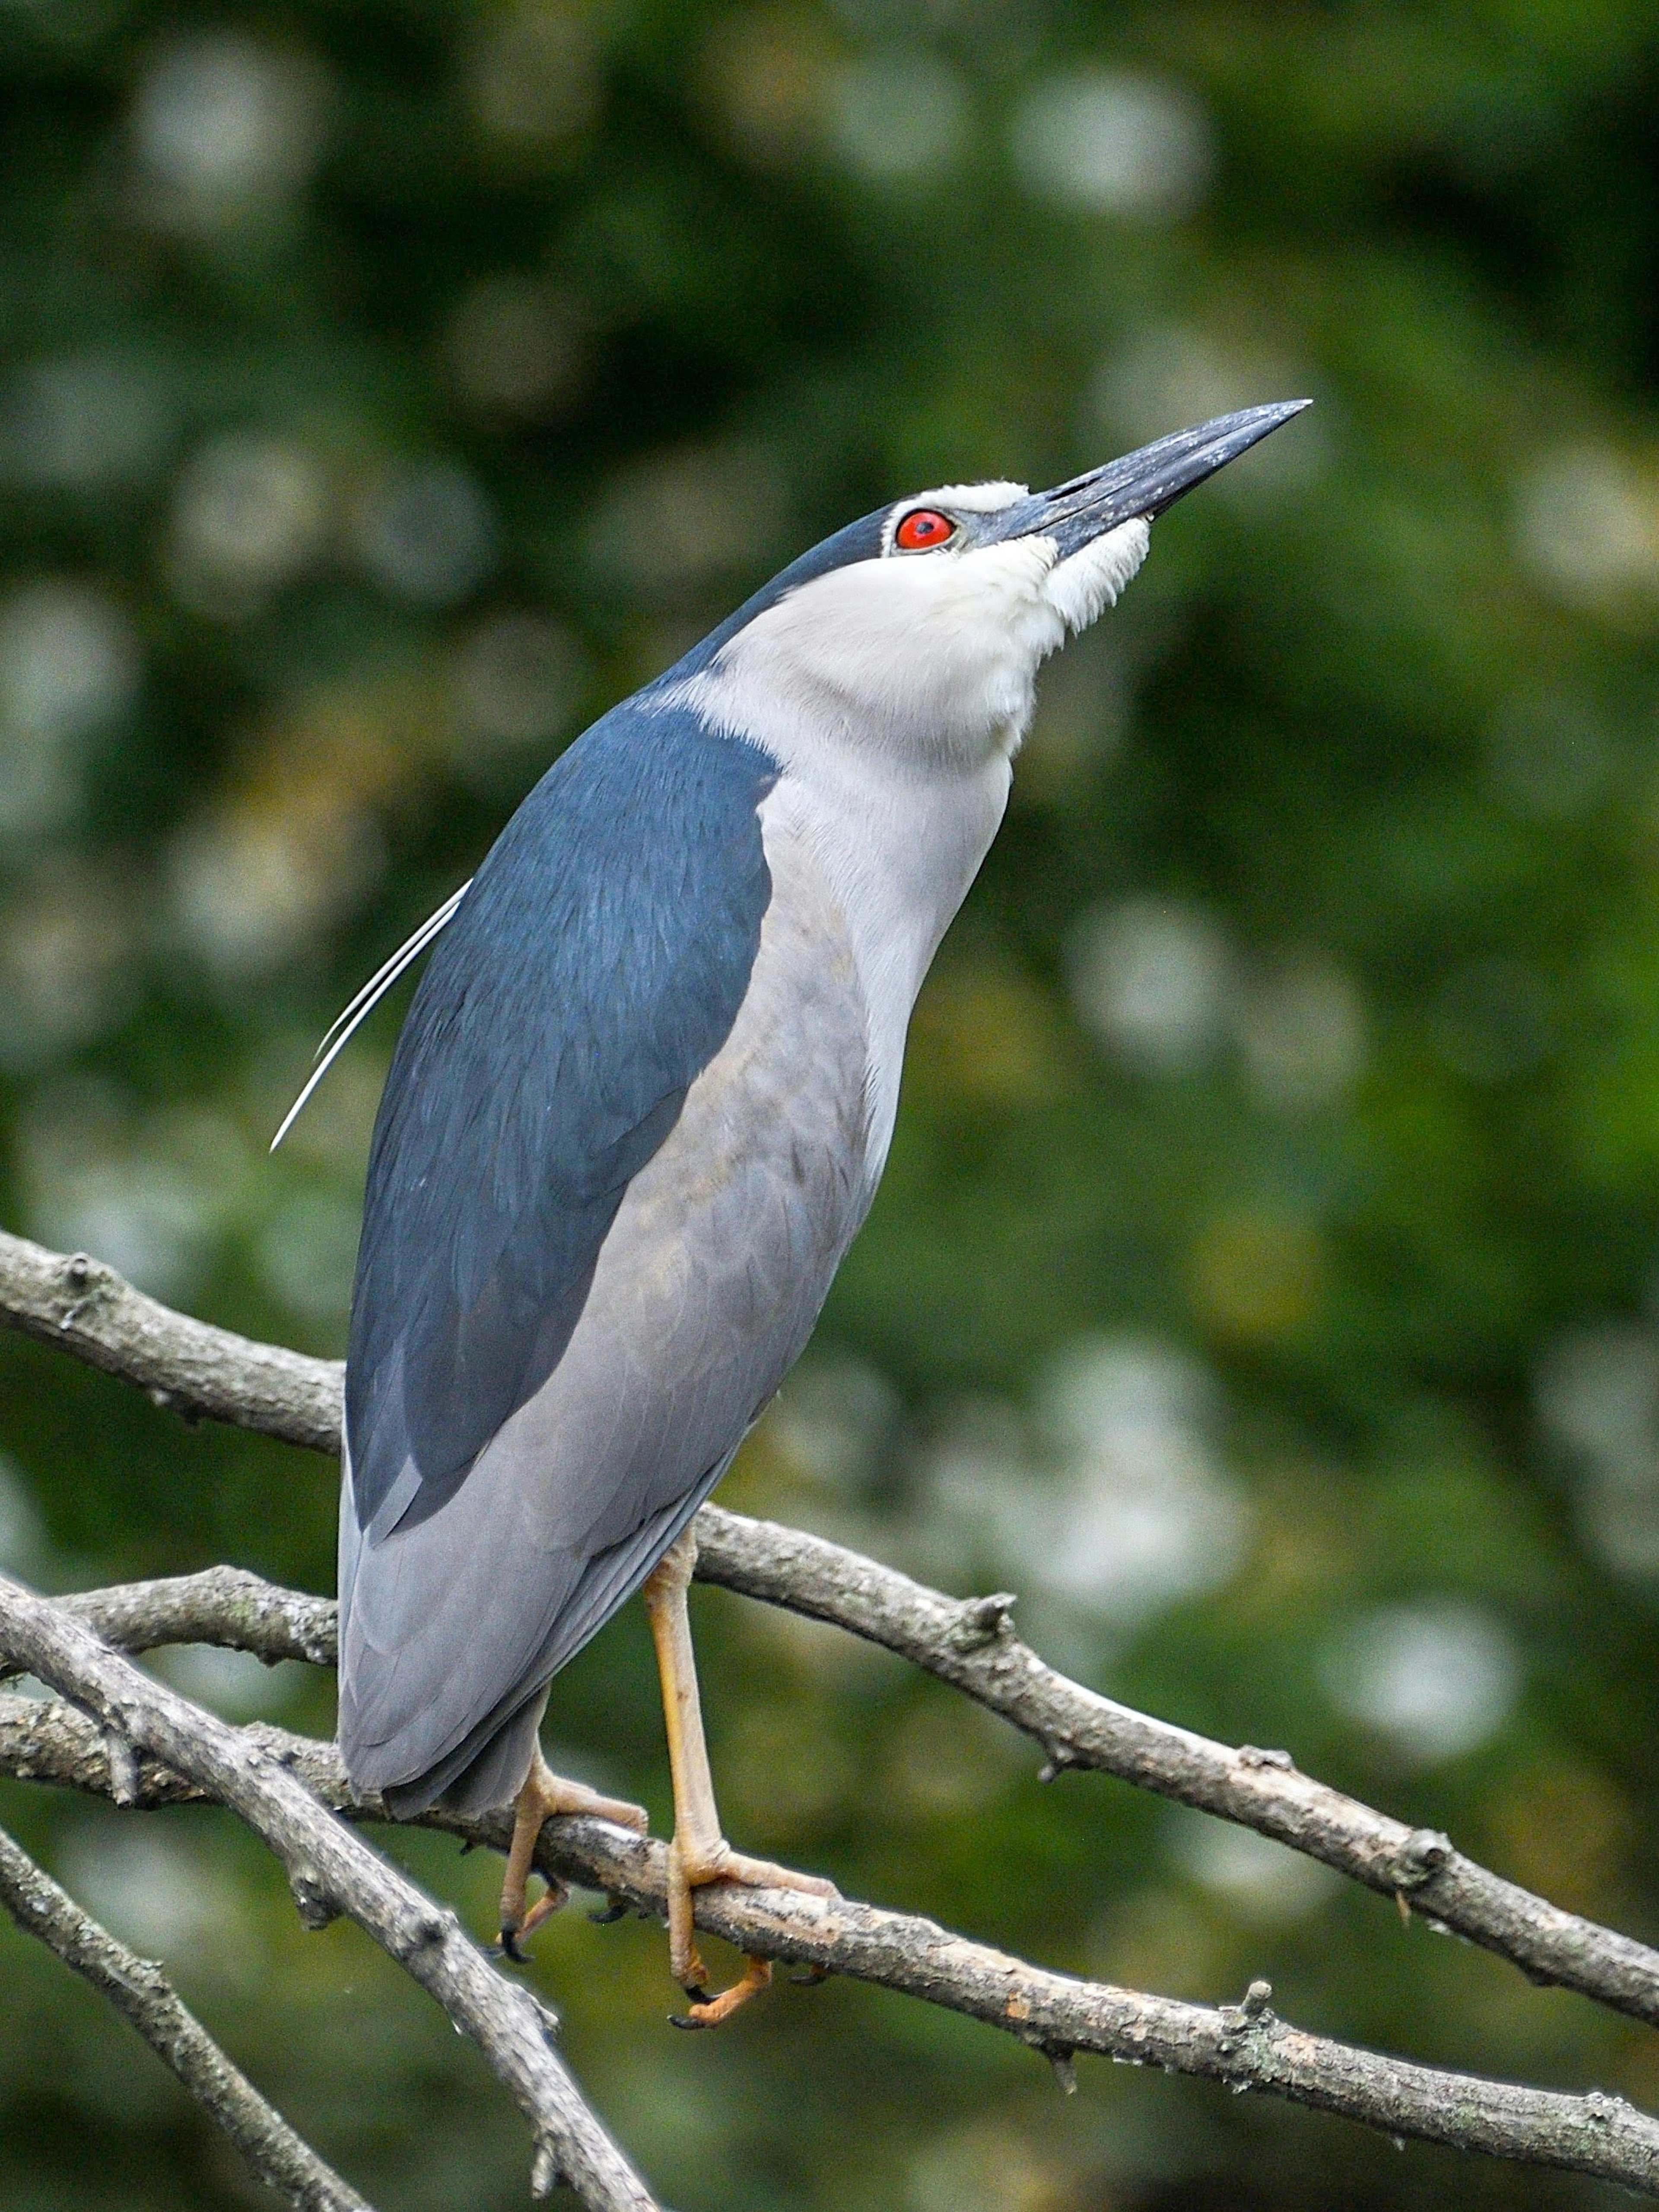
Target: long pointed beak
column 1144, row 483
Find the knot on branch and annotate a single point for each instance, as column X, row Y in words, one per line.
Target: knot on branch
column 982, row 1620
column 85, row 1281
column 316, row 1908
column 545, row 2174
column 430, row 1931
column 1603, row 2109
column 1255, row 2009
column 1424, row 1853
column 122, row 1761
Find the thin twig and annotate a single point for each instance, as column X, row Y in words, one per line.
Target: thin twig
column 141, row 1994
column 1244, row 2045
column 330, row 1871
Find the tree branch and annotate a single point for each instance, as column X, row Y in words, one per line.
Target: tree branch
column 227, row 1606
column 83, row 1306
column 331, row 1872
column 968, row 1643
column 1244, row 2045
column 141, row 1994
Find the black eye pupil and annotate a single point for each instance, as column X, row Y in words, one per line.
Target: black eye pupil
column 925, row 527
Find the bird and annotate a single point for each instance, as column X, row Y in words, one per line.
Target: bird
column 638, row 1110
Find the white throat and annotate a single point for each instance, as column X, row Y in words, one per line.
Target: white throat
column 894, row 695
column 929, row 662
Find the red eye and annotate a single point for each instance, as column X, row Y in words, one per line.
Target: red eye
column 922, row 527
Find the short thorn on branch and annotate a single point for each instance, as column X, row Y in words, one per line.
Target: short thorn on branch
column 123, row 1767
column 1257, row 2004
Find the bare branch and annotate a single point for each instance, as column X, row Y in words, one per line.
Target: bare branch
column 330, row 1872
column 81, row 1306
column 222, row 1605
column 977, row 1651
column 966, row 1642
column 1244, row 2045
column 141, row 1994
column 970, row 1644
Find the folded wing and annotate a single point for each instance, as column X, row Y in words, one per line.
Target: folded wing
column 619, row 1158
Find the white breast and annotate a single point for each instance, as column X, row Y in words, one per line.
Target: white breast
column 898, row 857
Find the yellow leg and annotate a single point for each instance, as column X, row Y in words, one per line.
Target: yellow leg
column 699, row 1852
column 545, row 1794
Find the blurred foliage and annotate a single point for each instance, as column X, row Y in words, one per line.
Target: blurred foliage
column 1267, row 1279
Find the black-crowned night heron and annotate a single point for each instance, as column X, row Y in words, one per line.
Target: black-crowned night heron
column 640, row 1107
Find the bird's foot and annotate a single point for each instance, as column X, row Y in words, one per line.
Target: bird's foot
column 544, row 1795
column 692, row 1869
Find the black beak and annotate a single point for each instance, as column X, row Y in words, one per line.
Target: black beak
column 1144, row 483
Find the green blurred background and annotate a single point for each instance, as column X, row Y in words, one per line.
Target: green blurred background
column 1266, row 1282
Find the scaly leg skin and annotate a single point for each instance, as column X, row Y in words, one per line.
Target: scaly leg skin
column 543, row 1795
column 699, row 1852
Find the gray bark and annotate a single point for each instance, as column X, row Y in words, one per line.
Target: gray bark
column 970, row 1644
column 141, row 1994
column 1244, row 2045
column 79, row 1305
column 330, row 1871
column 86, row 1309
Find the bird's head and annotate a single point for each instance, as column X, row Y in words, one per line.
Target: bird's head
column 921, row 628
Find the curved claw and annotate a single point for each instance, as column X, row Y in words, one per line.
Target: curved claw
column 709, row 2012
column 544, row 1797
column 552, row 1899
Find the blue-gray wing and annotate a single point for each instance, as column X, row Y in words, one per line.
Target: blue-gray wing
column 605, row 1205
column 596, row 964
